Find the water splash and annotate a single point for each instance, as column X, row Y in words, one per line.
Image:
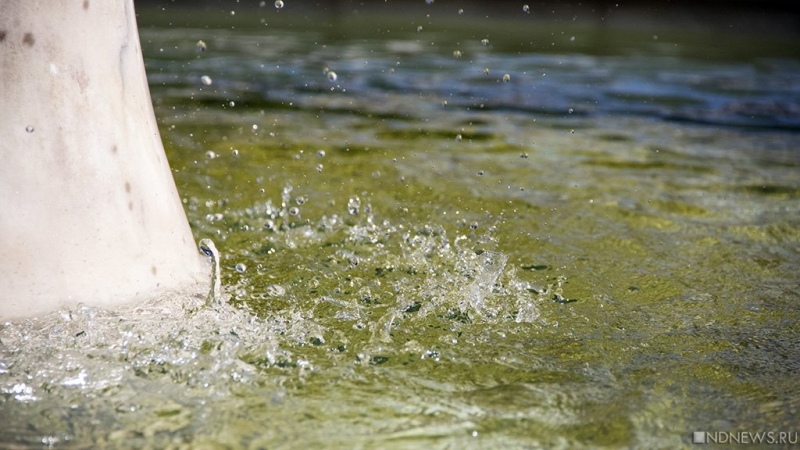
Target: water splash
column 208, row 248
column 195, row 350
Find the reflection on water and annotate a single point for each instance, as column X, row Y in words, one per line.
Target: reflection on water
column 601, row 251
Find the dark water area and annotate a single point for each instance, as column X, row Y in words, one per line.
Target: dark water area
column 612, row 61
column 445, row 230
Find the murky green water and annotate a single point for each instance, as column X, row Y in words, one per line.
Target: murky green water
column 601, row 252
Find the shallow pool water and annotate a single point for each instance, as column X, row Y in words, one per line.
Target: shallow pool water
column 601, row 251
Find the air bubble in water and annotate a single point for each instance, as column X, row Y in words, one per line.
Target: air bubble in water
column 332, row 75
column 293, row 211
column 486, row 71
column 241, row 268
column 485, row 41
column 201, row 46
column 321, row 153
column 526, row 8
column 269, row 225
column 353, row 205
column 279, row 4
column 457, row 54
column 319, row 168
column 419, row 28
column 458, row 138
column 506, row 78
column 460, row 11
column 205, row 79
column 29, row 129
column 430, row 2
column 210, row 155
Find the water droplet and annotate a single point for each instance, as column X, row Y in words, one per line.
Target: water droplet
column 485, row 41
column 279, row 4
column 293, row 211
column 29, row 129
column 241, row 268
column 321, row 153
column 319, row 167
column 205, row 79
column 458, row 138
column 235, row 152
column 201, row 46
column 276, row 290
column 232, row 104
column 526, row 8
column 457, row 54
column 269, row 225
column 210, row 155
column 353, row 205
column 332, row 75
column 506, row 78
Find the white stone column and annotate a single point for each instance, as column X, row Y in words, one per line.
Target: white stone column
column 89, row 211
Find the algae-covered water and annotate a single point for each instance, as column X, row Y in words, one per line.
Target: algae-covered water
column 600, row 249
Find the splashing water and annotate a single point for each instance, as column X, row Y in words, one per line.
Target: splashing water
column 196, row 350
column 208, row 248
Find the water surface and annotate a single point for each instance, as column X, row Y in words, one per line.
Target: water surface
column 601, row 251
